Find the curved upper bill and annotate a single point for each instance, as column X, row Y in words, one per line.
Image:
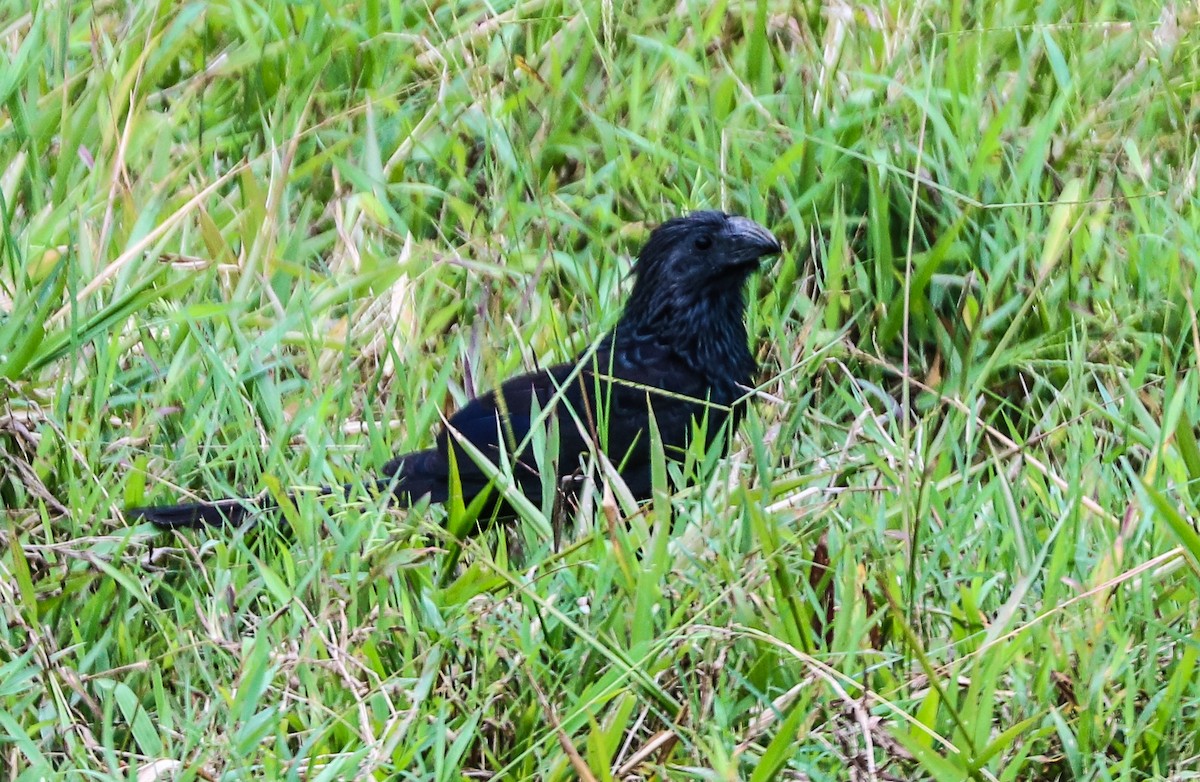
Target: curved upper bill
column 752, row 239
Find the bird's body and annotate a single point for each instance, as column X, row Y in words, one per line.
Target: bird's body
column 678, row 357
column 602, row 398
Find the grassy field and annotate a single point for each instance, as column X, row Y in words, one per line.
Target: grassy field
column 251, row 246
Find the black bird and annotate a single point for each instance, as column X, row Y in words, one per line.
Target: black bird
column 679, row 351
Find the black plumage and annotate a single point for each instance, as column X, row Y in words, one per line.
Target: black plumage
column 679, row 352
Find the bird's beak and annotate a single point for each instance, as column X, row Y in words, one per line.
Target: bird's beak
column 753, row 240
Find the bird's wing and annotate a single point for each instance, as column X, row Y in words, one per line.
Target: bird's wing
column 496, row 425
column 650, row 375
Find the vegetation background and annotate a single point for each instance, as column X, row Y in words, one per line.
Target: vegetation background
column 252, row 245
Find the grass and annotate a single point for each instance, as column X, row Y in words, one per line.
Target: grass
column 250, row 246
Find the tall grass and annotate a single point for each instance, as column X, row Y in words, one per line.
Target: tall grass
column 254, row 246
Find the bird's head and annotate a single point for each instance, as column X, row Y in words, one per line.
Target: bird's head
column 693, row 270
column 703, row 251
column 690, row 287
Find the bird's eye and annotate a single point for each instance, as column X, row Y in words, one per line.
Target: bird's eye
column 703, row 242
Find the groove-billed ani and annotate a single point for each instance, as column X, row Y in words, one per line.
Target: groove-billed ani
column 679, row 351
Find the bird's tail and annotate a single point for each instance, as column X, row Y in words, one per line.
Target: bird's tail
column 194, row 514
column 408, row 477
column 232, row 511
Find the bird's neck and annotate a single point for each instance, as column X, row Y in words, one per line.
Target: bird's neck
column 707, row 331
